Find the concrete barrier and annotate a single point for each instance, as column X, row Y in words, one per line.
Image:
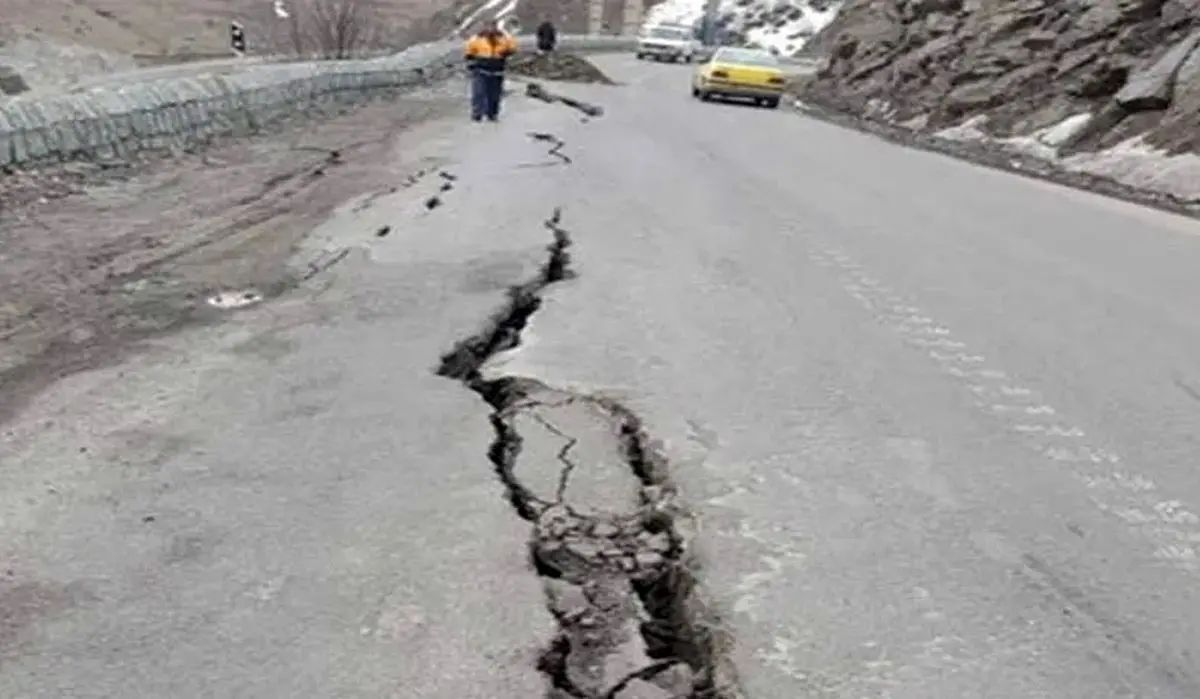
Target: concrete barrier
column 112, row 121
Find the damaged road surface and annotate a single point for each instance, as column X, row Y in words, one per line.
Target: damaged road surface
column 783, row 411
column 616, row 567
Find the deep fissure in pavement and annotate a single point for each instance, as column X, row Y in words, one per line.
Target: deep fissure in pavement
column 538, row 92
column 557, row 144
column 622, row 587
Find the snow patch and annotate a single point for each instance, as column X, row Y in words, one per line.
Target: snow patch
column 1137, row 164
column 969, row 130
column 790, row 36
column 1133, row 162
column 478, row 13
column 230, row 300
column 1044, row 143
column 780, row 26
column 1061, row 132
column 507, row 10
column 687, row 12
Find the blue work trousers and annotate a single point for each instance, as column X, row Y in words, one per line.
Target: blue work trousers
column 486, row 89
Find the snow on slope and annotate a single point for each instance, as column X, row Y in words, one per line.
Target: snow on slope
column 474, row 17
column 781, row 26
column 676, row 12
column 790, row 35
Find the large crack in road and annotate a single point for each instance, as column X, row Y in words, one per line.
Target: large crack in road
column 622, row 586
column 537, row 92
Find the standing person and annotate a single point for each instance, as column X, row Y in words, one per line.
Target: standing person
column 487, row 56
column 547, row 36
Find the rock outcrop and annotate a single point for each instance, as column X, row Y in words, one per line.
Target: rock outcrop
column 1024, row 64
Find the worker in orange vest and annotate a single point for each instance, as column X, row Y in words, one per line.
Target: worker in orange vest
column 487, row 56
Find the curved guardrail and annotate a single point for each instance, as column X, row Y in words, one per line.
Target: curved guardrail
column 110, row 121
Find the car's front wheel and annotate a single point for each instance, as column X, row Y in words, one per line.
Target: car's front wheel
column 771, row 103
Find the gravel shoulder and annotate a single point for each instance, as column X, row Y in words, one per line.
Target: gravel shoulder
column 1092, row 172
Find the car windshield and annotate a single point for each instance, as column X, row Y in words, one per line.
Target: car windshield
column 745, row 57
column 664, row 33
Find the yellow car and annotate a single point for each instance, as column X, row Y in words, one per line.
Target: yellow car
column 742, row 73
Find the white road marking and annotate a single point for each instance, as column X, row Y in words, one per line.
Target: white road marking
column 940, row 343
column 960, row 358
column 1005, row 409
column 1170, row 526
column 1049, row 430
column 936, row 330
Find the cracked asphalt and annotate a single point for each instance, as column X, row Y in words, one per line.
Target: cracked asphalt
column 936, row 425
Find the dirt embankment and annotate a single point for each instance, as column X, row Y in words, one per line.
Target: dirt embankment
column 558, row 66
column 95, row 257
column 1133, row 65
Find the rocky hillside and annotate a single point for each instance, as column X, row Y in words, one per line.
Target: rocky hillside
column 1130, row 66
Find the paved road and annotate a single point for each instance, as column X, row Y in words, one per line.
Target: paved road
column 938, row 423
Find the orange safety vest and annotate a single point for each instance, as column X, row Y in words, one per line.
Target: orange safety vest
column 490, row 54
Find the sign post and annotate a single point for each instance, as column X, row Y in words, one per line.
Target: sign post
column 710, row 22
column 237, row 38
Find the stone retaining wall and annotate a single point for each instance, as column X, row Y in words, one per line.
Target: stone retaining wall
column 108, row 122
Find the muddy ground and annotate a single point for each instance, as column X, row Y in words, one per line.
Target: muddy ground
column 93, row 259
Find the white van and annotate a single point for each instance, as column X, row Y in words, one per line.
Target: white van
column 666, row 42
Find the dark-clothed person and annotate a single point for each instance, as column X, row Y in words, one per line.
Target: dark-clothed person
column 547, row 36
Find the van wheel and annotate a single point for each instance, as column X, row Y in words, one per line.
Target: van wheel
column 772, row 103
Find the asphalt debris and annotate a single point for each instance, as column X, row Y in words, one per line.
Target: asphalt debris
column 538, row 92
column 383, row 231
column 432, row 203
